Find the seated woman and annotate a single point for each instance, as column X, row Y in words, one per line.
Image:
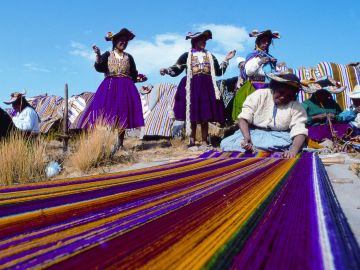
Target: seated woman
column 271, row 119
column 26, row 119
column 322, row 110
column 351, row 114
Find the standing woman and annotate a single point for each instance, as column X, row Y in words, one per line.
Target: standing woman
column 198, row 99
column 117, row 101
column 257, row 64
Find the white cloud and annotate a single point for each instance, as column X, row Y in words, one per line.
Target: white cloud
column 35, row 67
column 228, row 37
column 81, row 50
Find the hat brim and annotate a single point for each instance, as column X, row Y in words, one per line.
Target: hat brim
column 123, row 32
column 256, row 34
column 324, row 83
column 277, row 78
column 11, row 101
column 205, row 34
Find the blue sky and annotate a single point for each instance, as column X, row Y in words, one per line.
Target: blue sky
column 45, row 44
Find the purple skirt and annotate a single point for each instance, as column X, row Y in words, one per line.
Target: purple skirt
column 204, row 107
column 318, row 133
column 116, row 102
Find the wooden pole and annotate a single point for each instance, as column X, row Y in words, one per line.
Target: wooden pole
column 65, row 119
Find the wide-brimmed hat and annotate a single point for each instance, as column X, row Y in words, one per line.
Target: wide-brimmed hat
column 256, row 34
column 123, row 32
column 325, row 83
column 286, row 78
column 206, row 34
column 14, row 97
column 355, row 94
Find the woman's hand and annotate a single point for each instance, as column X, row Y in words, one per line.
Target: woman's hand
column 96, row 50
column 164, row 71
column 264, row 60
column 247, row 145
column 319, row 117
column 289, row 154
column 230, row 55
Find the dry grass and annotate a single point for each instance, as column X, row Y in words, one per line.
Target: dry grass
column 93, row 148
column 22, row 160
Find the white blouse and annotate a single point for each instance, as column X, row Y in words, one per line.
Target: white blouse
column 27, row 120
column 258, row 110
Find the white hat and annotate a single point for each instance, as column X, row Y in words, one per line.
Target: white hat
column 355, row 94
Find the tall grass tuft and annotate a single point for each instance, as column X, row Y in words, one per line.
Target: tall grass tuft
column 22, row 160
column 94, row 148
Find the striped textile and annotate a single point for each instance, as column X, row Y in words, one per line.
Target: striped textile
column 77, row 105
column 214, row 213
column 345, row 74
column 49, row 109
column 160, row 120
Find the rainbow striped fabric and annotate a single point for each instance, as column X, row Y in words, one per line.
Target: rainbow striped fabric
column 217, row 211
column 345, row 74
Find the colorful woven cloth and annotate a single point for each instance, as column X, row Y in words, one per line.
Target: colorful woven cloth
column 213, row 212
column 160, row 119
column 345, row 74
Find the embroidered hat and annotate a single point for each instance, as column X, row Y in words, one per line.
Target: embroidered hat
column 206, row 34
column 325, row 83
column 355, row 94
column 123, row 32
column 256, row 34
column 286, row 78
column 14, row 97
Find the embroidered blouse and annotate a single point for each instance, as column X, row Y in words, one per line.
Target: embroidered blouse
column 200, row 64
column 117, row 64
column 259, row 110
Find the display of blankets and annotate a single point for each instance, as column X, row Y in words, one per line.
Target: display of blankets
column 77, row 105
column 207, row 212
column 49, row 109
column 160, row 119
column 345, row 74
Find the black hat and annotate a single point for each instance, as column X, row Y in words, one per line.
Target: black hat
column 206, row 34
column 256, row 33
column 286, row 78
column 123, row 32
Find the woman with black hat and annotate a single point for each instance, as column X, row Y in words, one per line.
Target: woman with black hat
column 322, row 110
column 271, row 119
column 117, row 101
column 198, row 99
column 257, row 65
column 26, row 118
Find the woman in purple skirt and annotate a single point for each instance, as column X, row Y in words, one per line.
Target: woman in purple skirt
column 117, row 101
column 198, row 99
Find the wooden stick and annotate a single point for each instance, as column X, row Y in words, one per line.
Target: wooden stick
column 65, row 119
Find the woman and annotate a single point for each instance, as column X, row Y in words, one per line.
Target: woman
column 271, row 119
column 257, row 65
column 26, row 118
column 117, row 101
column 198, row 99
column 323, row 119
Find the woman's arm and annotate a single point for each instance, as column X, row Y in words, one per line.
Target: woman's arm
column 296, row 146
column 101, row 63
column 176, row 69
column 244, row 128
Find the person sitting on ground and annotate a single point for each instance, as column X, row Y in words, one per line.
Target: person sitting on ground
column 26, row 119
column 271, row 119
column 351, row 114
column 322, row 110
column 6, row 124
